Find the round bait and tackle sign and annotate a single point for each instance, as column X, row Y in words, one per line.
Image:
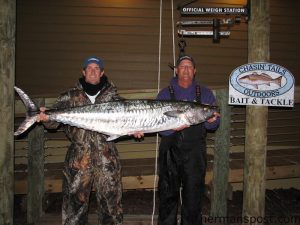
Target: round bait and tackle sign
column 261, row 84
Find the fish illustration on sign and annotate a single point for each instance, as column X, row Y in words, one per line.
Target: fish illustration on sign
column 122, row 117
column 256, row 79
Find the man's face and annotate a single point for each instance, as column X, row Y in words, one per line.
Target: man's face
column 185, row 72
column 92, row 73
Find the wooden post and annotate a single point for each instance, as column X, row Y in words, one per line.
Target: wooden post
column 7, row 80
column 256, row 118
column 35, row 171
column 221, row 158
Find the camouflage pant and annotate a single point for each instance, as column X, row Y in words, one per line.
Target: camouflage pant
column 80, row 176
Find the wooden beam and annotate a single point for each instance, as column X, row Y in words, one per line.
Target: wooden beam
column 256, row 117
column 35, row 183
column 221, row 158
column 7, row 80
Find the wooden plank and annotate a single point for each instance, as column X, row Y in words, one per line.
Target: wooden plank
column 221, row 158
column 105, row 4
column 257, row 117
column 100, row 12
column 56, row 151
column 35, row 171
column 54, row 184
column 272, row 173
column 87, row 41
column 65, row 49
column 277, row 156
column 7, row 80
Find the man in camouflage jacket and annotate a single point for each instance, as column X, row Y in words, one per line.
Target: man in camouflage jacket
column 91, row 161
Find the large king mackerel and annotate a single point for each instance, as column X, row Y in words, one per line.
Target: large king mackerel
column 118, row 118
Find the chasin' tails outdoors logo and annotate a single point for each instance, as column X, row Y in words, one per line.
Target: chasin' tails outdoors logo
column 261, row 84
column 254, row 79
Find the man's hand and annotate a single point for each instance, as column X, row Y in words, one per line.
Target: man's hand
column 181, row 128
column 214, row 118
column 138, row 134
column 42, row 117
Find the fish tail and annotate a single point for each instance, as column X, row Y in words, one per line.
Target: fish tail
column 278, row 81
column 31, row 112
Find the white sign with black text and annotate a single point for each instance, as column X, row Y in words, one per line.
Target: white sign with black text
column 264, row 84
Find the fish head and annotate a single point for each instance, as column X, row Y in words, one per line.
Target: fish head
column 200, row 113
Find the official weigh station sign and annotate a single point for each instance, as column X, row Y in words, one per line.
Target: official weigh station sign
column 264, row 84
column 214, row 10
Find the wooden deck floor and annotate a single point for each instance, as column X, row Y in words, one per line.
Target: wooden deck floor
column 55, row 219
column 280, row 203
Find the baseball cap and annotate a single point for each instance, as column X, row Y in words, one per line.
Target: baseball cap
column 93, row 59
column 187, row 57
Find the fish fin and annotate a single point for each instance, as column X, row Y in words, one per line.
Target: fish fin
column 31, row 112
column 113, row 137
column 278, row 81
column 29, row 104
column 265, row 75
column 25, row 125
column 175, row 113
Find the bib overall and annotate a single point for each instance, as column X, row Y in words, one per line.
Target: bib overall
column 182, row 165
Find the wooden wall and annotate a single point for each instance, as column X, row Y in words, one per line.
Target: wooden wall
column 285, row 33
column 53, row 38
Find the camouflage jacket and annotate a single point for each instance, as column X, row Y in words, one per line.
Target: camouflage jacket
column 85, row 144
